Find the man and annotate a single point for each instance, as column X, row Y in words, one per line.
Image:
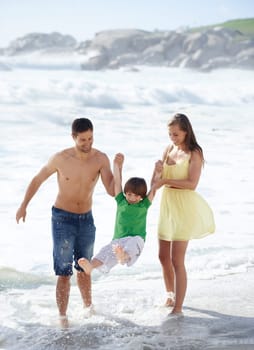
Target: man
column 78, row 169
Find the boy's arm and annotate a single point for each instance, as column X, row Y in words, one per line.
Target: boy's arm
column 117, row 171
column 157, row 172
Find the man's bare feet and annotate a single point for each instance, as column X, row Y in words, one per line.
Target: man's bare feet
column 86, row 265
column 121, row 255
column 64, row 323
column 89, row 311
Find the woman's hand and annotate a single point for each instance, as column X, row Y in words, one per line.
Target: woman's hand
column 158, row 166
column 159, row 183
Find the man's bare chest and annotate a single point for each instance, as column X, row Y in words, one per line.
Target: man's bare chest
column 79, row 172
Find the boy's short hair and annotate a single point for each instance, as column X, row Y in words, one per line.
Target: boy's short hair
column 136, row 185
column 81, row 125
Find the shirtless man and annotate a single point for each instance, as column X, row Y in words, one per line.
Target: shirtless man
column 78, row 169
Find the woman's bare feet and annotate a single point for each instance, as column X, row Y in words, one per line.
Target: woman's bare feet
column 86, row 265
column 175, row 315
column 170, row 302
column 121, row 255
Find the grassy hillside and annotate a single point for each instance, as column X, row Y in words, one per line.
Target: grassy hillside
column 245, row 26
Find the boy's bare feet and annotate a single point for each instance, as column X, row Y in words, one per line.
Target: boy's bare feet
column 121, row 255
column 86, row 265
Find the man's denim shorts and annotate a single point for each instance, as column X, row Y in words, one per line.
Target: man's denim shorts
column 73, row 238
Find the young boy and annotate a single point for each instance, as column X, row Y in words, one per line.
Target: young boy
column 130, row 225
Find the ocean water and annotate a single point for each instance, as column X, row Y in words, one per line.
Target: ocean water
column 129, row 111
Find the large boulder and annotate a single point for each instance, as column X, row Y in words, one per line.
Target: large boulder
column 49, row 43
column 245, row 59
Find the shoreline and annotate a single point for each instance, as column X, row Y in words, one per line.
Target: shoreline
column 129, row 314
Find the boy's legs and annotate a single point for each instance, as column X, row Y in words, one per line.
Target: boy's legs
column 121, row 255
column 104, row 260
column 128, row 249
column 124, row 250
column 88, row 266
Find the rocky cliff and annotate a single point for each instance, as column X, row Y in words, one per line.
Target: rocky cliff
column 204, row 49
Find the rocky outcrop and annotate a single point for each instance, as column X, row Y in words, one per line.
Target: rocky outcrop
column 45, row 43
column 205, row 49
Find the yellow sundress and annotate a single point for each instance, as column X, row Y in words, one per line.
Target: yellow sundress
column 184, row 214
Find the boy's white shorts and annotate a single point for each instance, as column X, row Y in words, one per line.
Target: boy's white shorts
column 132, row 245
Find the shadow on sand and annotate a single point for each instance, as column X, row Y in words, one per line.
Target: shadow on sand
column 206, row 329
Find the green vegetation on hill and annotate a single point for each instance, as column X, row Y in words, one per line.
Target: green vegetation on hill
column 245, row 26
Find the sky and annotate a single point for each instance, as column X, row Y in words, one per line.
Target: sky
column 83, row 18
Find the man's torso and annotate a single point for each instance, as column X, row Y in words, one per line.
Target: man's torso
column 76, row 180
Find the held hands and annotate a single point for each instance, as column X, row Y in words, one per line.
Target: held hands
column 157, row 180
column 158, row 166
column 119, row 159
column 117, row 172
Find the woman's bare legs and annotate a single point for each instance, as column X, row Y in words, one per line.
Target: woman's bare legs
column 167, row 268
column 178, row 251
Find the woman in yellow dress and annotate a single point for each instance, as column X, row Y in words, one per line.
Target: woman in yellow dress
column 184, row 214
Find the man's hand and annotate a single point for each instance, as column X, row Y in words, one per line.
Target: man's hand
column 119, row 159
column 21, row 213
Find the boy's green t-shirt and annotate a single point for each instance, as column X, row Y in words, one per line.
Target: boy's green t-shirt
column 130, row 218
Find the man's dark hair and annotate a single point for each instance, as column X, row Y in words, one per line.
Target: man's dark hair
column 81, row 125
column 136, row 185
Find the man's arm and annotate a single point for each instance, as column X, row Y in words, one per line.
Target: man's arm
column 33, row 187
column 118, row 165
column 107, row 176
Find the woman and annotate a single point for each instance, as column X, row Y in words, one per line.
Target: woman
column 184, row 214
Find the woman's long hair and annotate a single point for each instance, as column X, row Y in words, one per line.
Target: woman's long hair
column 185, row 125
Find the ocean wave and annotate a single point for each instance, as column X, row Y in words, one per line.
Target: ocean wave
column 105, row 90
column 11, row 278
column 36, row 61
